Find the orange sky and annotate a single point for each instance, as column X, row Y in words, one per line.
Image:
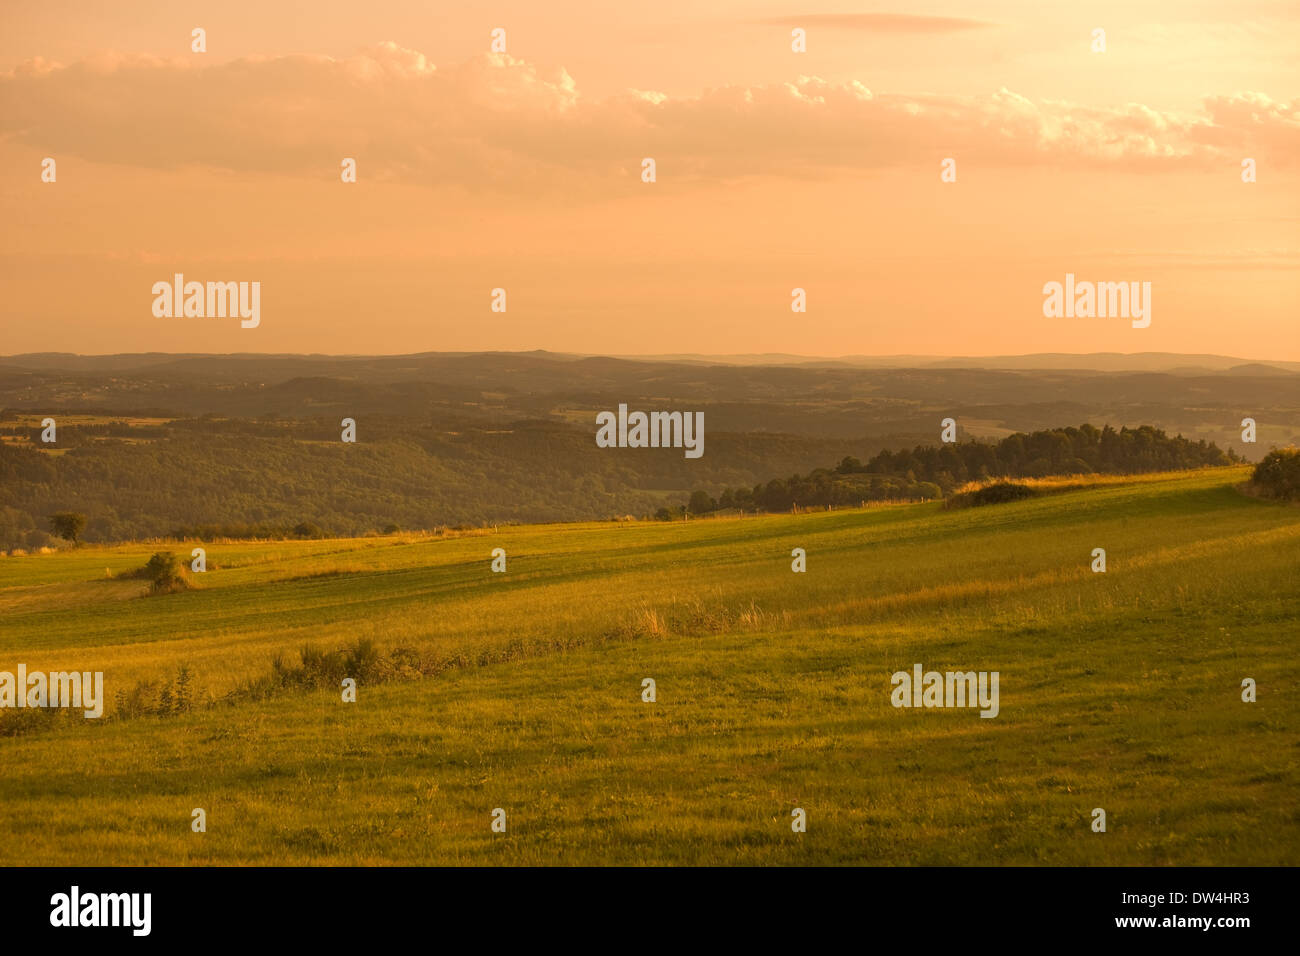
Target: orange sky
column 776, row 170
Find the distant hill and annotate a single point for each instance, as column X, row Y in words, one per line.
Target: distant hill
column 1095, row 361
column 1259, row 368
column 151, row 442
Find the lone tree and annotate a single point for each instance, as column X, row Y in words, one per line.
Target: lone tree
column 165, row 573
column 68, row 525
column 1278, row 474
column 701, row 503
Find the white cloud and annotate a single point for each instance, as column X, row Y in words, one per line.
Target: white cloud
column 497, row 121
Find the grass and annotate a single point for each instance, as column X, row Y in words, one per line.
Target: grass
column 1120, row 690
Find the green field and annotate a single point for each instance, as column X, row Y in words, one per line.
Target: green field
column 1119, row 690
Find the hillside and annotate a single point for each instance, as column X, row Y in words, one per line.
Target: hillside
column 523, row 690
column 153, row 443
column 149, row 478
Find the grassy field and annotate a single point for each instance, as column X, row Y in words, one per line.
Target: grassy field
column 1119, row 690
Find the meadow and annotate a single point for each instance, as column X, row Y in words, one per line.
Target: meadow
column 1119, row 690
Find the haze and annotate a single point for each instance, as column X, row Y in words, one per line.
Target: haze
column 775, row 170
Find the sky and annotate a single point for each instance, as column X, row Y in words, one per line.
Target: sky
column 774, row 170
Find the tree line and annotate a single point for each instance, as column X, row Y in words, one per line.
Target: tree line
column 249, row 479
column 930, row 471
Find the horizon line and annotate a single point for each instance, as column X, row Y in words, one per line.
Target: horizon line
column 723, row 358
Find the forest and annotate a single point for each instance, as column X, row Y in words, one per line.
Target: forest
column 150, row 446
column 265, row 478
column 933, row 471
column 202, row 478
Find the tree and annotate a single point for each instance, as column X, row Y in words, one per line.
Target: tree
column 67, row 525
column 701, row 503
column 1278, row 475
column 164, row 572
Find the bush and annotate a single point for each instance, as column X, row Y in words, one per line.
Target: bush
column 165, row 573
column 360, row 660
column 1278, row 475
column 68, row 525
column 1001, row 492
column 164, row 698
column 925, row 489
column 994, row 494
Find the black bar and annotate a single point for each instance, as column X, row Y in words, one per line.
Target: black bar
column 657, row 909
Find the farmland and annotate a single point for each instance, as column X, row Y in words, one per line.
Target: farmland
column 522, row 690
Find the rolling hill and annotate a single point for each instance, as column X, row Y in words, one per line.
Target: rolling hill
column 523, row 691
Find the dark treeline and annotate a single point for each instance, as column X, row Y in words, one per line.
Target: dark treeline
column 82, row 434
column 929, row 471
column 273, row 478
column 269, row 477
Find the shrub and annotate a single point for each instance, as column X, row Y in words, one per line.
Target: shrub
column 164, row 572
column 15, row 722
column 68, row 525
column 994, row 494
column 925, row 489
column 164, row 698
column 1000, row 492
column 1278, row 475
column 360, row 660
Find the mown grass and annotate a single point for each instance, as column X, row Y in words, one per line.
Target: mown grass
column 1119, row 690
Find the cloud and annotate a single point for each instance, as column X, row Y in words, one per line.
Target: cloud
column 1251, row 117
column 880, row 22
column 496, row 122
